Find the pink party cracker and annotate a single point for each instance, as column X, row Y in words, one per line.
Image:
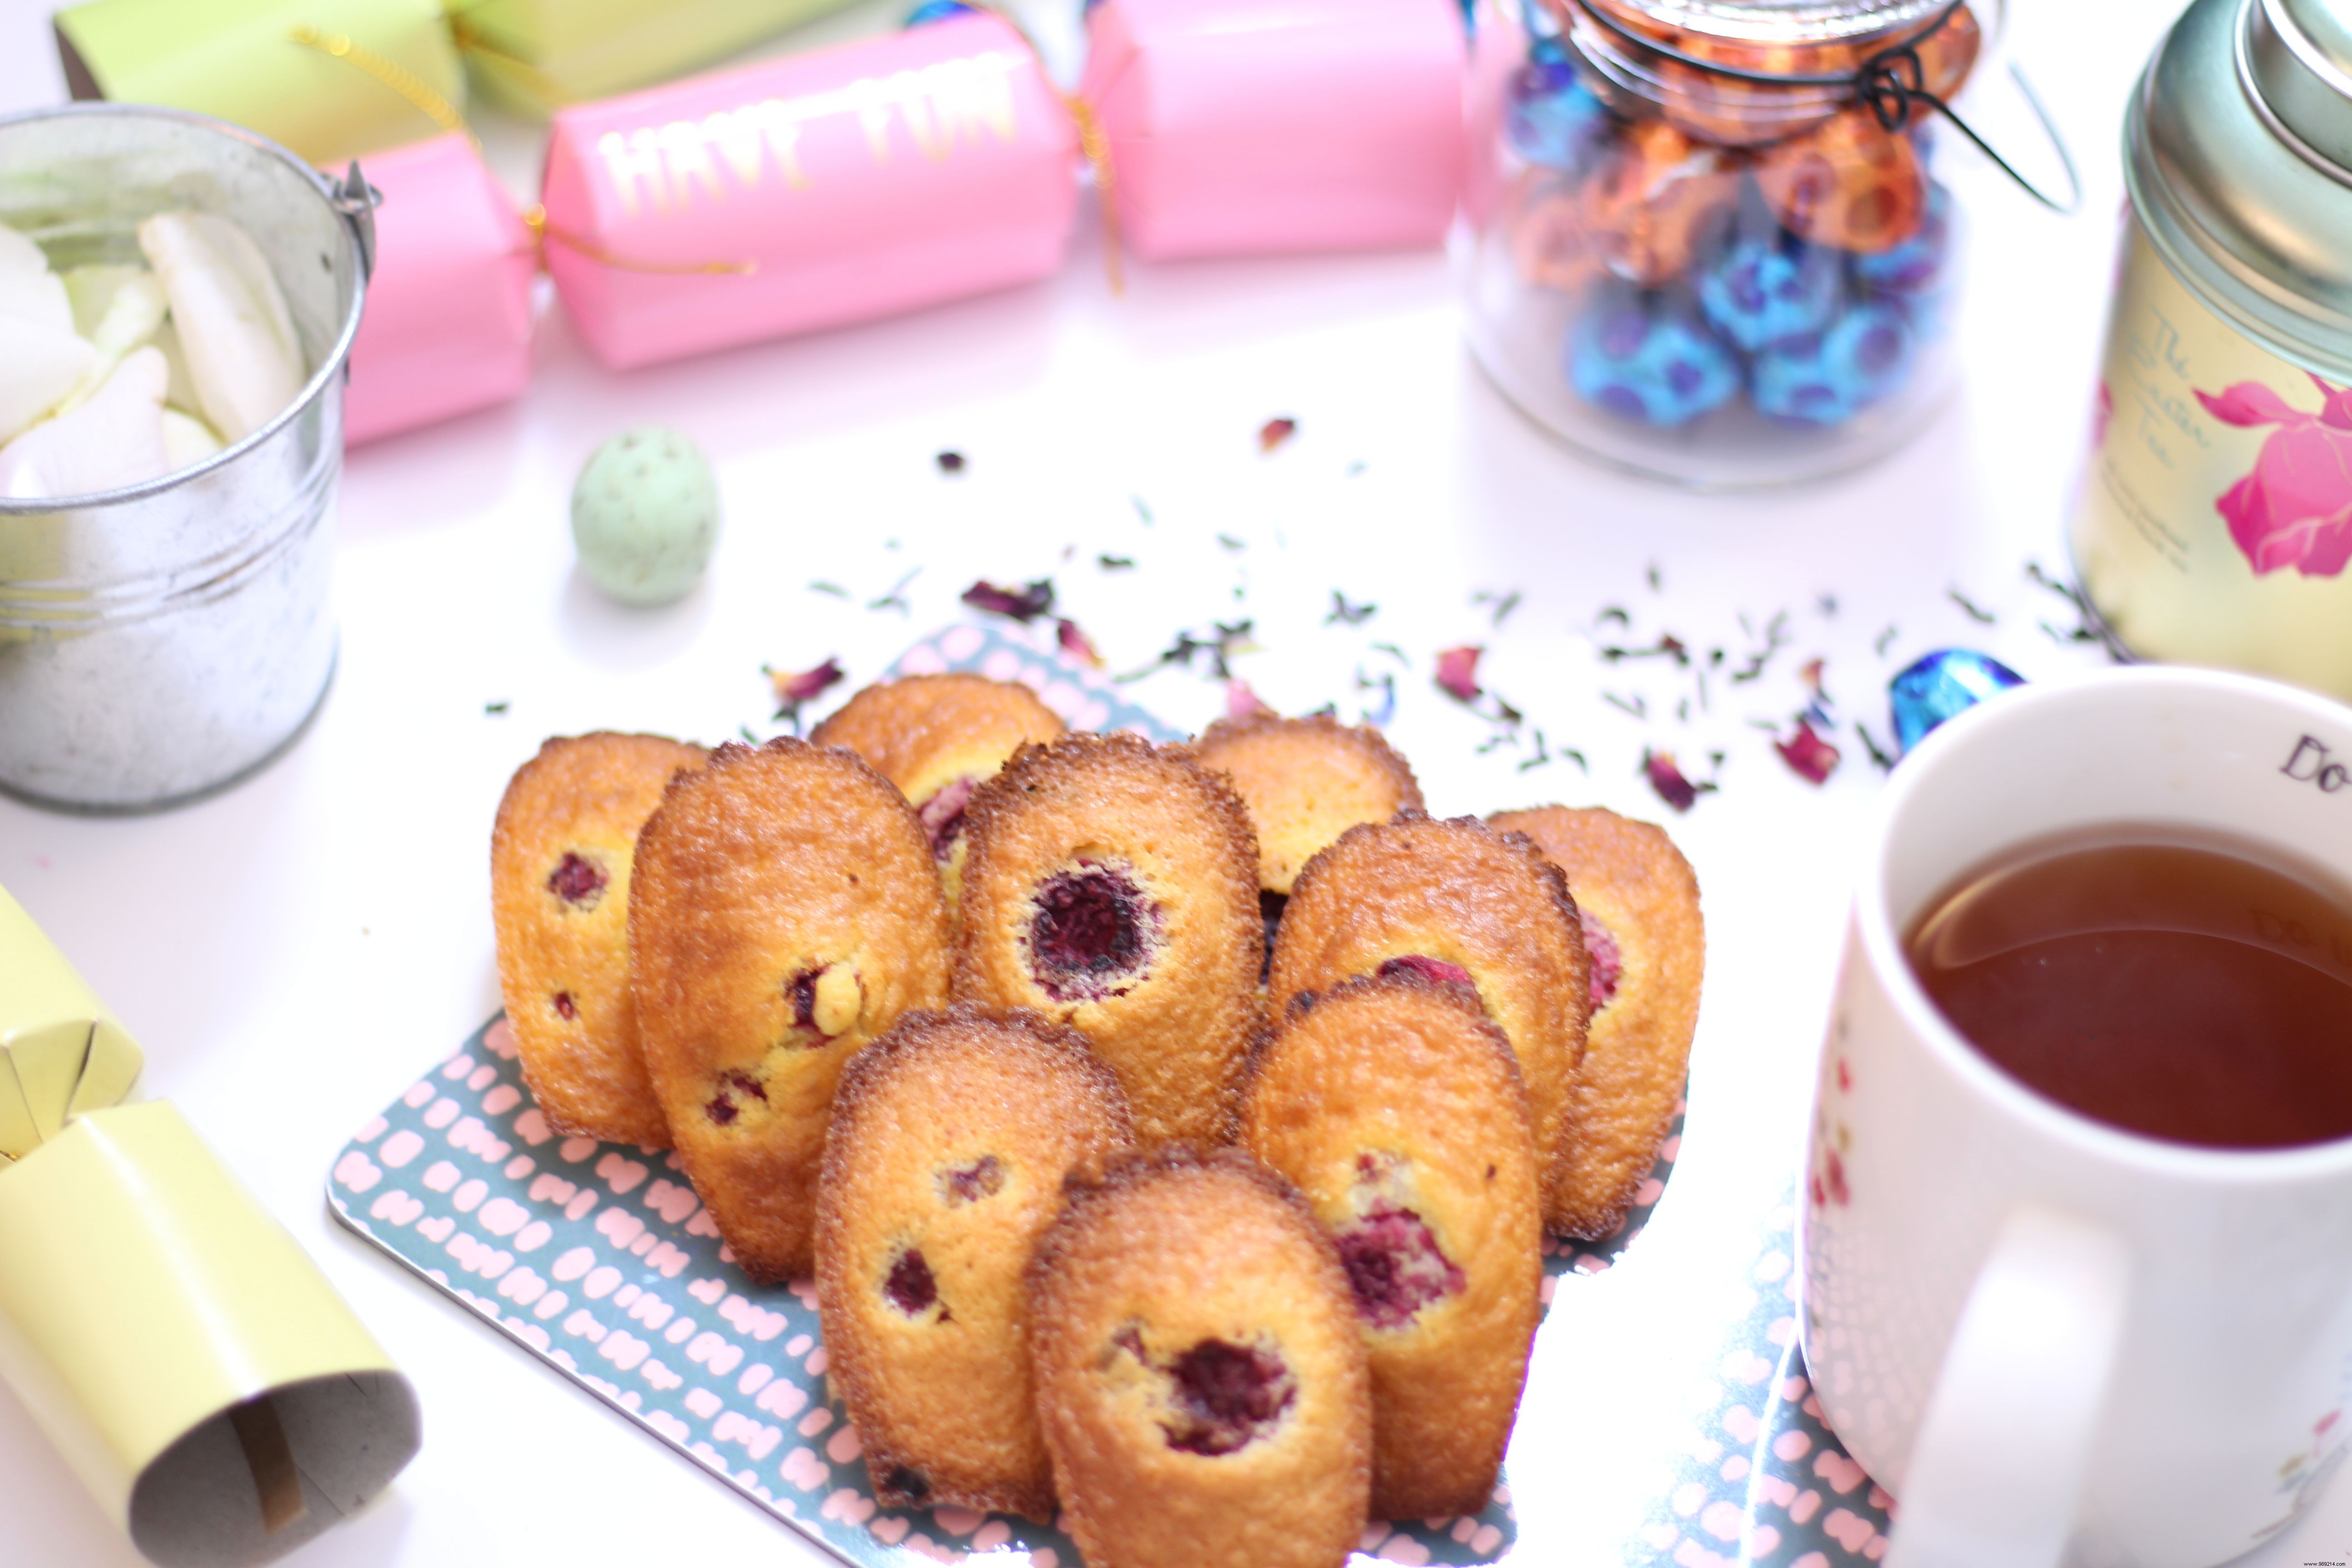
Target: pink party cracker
column 809, row 192
column 448, row 319
column 1238, row 128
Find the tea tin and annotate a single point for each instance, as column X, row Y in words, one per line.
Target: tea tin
column 2214, row 522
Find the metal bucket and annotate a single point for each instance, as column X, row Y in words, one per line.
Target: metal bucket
column 163, row 641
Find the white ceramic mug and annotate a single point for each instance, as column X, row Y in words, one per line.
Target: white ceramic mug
column 2050, row 1339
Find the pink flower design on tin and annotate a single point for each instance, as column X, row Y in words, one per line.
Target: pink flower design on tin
column 2296, row 508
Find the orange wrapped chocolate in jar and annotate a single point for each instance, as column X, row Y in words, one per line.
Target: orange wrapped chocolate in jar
column 1719, row 252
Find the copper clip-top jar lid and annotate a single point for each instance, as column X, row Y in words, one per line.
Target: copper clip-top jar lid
column 1775, row 22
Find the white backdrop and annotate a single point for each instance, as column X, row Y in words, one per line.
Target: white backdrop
column 294, row 953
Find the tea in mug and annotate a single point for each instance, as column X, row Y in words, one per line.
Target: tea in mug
column 2181, row 985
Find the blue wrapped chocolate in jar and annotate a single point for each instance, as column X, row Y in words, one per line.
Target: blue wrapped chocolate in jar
column 1705, row 238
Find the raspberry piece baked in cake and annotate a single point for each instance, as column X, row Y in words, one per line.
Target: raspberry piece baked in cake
column 951, row 1136
column 559, row 869
column 1201, row 1378
column 939, row 738
column 1639, row 903
column 786, row 911
column 1395, row 1106
column 1304, row 782
column 1112, row 886
column 1455, row 900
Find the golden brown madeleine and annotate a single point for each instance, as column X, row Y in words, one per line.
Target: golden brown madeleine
column 1201, row 1380
column 937, row 738
column 786, row 912
column 1113, row 885
column 951, row 1138
column 1639, row 903
column 1457, row 900
column 560, row 863
column 1306, row 782
column 1395, row 1106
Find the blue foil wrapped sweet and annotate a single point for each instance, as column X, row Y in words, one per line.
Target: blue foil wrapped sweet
column 1759, row 292
column 1646, row 361
column 1945, row 683
column 1550, row 117
column 1828, row 377
column 932, row 11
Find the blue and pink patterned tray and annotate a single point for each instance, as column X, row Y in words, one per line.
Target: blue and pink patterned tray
column 598, row 1259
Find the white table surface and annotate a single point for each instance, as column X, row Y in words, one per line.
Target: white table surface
column 292, row 955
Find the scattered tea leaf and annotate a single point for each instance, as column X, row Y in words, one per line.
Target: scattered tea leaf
column 1974, row 611
column 1346, row 614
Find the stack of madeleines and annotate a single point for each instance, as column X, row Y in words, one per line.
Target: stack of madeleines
column 1221, row 1254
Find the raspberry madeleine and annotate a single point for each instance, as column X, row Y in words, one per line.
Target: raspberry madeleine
column 1395, row 1106
column 786, row 912
column 950, row 1139
column 1201, row 1380
column 1112, row 886
column 1304, row 782
column 939, row 738
column 1458, row 901
column 560, row 864
column 1639, row 903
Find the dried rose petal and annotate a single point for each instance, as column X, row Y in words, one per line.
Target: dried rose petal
column 1023, row 604
column 1667, row 780
column 1810, row 674
column 1241, row 702
column 799, row 687
column 1457, row 672
column 1274, row 432
column 1812, row 758
column 1077, row 644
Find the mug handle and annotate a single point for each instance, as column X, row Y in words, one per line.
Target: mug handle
column 2006, row 1437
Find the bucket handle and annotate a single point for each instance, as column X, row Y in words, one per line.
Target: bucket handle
column 357, row 200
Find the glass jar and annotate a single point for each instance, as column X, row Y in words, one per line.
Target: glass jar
column 1707, row 277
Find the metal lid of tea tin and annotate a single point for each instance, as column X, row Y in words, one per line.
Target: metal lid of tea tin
column 2238, row 155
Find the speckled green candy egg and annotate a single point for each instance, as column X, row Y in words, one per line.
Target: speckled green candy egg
column 644, row 516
